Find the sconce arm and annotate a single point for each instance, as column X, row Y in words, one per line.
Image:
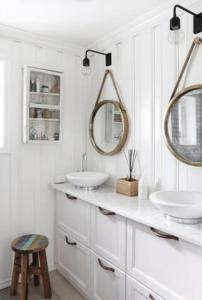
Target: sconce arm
column 183, row 8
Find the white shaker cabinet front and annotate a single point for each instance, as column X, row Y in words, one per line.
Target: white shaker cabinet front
column 108, row 282
column 107, row 257
column 73, row 215
column 137, row 291
column 73, row 261
column 108, row 236
column 164, row 263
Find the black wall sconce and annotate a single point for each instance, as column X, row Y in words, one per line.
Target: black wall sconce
column 86, row 70
column 175, row 20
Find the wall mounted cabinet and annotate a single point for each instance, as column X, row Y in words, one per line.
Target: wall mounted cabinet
column 42, row 105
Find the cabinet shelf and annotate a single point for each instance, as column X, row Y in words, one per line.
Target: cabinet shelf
column 45, row 94
column 45, row 106
column 43, row 119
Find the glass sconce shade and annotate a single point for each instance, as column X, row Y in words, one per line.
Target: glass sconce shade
column 176, row 36
column 85, row 71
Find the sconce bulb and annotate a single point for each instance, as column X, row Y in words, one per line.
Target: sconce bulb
column 176, row 36
column 86, row 71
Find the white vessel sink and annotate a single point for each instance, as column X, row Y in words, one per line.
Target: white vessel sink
column 87, row 180
column 182, row 207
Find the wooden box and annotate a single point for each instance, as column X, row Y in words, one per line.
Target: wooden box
column 128, row 188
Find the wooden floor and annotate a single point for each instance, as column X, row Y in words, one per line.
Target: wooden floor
column 62, row 290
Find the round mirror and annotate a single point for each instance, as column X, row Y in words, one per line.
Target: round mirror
column 183, row 125
column 108, row 127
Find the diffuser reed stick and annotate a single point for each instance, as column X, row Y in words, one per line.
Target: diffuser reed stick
column 130, row 159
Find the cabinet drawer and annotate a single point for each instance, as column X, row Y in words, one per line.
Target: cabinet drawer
column 73, row 215
column 73, row 261
column 108, row 282
column 109, row 236
column 136, row 291
column 173, row 268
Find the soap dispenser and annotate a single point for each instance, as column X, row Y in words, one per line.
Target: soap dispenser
column 142, row 188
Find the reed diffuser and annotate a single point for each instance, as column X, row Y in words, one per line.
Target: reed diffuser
column 129, row 185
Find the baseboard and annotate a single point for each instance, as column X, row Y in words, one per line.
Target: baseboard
column 7, row 282
column 51, row 267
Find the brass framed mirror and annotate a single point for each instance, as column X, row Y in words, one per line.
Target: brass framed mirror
column 108, row 126
column 183, row 119
column 183, row 125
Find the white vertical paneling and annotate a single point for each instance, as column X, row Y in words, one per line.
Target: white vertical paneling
column 169, row 71
column 137, row 96
column 5, row 222
column 146, row 67
column 157, row 107
column 145, row 72
column 27, row 201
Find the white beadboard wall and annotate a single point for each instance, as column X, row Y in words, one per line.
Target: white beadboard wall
column 145, row 66
column 27, row 203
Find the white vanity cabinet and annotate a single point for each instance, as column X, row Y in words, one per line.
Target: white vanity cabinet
column 164, row 263
column 73, row 261
column 107, row 256
column 73, row 216
column 108, row 282
column 108, row 236
column 137, row 291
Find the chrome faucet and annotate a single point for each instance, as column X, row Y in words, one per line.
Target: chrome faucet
column 84, row 162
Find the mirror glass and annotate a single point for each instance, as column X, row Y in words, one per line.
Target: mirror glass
column 108, row 127
column 183, row 128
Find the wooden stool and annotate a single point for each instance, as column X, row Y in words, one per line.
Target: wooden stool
column 23, row 246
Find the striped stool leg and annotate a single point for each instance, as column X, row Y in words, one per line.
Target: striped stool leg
column 24, row 276
column 15, row 275
column 45, row 274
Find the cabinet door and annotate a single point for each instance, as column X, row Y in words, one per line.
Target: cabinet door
column 137, row 291
column 73, row 215
column 109, row 236
column 73, row 261
column 108, row 282
column 164, row 263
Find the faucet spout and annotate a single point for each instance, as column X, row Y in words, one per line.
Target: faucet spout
column 84, row 162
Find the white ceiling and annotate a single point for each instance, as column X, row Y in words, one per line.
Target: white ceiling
column 75, row 21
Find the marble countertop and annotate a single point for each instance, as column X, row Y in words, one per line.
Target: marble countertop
column 141, row 211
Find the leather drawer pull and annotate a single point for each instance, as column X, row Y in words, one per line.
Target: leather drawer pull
column 151, row 297
column 70, row 243
column 70, row 197
column 104, row 267
column 164, row 235
column 106, row 212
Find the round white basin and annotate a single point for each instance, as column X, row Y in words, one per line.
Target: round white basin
column 182, row 206
column 87, row 180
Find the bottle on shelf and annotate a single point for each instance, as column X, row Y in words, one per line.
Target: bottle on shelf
column 38, row 86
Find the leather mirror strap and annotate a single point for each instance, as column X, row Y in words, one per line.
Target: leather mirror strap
column 196, row 42
column 108, row 72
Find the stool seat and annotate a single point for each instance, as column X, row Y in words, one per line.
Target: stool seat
column 33, row 245
column 30, row 243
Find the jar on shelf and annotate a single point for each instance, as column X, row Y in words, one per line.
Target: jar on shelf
column 47, row 114
column 32, row 112
column 39, row 113
column 45, row 89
